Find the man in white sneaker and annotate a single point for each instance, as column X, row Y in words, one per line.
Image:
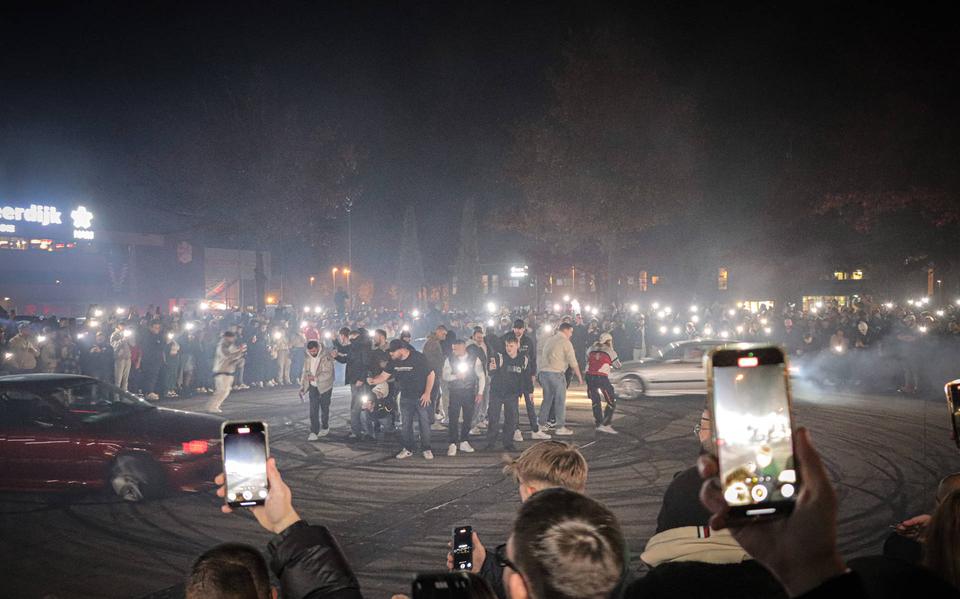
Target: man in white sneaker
column 558, row 355
column 317, row 382
column 416, row 380
column 225, row 361
column 465, row 378
column 601, row 359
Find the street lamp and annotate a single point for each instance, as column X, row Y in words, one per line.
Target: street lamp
column 346, row 273
column 313, row 280
column 333, row 273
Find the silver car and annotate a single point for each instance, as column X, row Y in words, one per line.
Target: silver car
column 677, row 369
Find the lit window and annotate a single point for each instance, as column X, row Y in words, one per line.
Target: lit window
column 723, row 278
column 643, row 280
column 857, row 275
column 654, row 279
column 840, row 275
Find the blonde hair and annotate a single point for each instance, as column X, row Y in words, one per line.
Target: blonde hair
column 550, row 464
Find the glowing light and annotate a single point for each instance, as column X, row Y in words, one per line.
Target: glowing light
column 925, row 300
column 694, row 319
column 587, row 307
column 547, row 328
column 416, row 313
column 127, row 333
column 668, row 309
column 739, row 328
column 595, row 311
column 910, row 302
column 724, row 334
column 7, row 356
column 838, row 349
column 41, row 338
column 463, row 368
column 939, row 312
column 318, row 309
column 98, row 312
column 732, row 312
column 121, row 310
column 277, row 334
column 327, row 335
column 190, row 326
column 814, row 310
column 694, row 308
column 767, row 330
column 888, row 305
column 405, row 328
column 491, row 307
column 663, row 330
column 81, row 336
column 819, row 304
column 957, row 302
column 708, row 330
column 556, row 307
column 176, row 309
column 93, row 324
column 491, row 322
column 304, row 324
column 763, row 321
column 922, row 329
column 655, row 305
column 634, row 308
column 204, row 305
column 661, row 314
column 306, row 309
column 566, row 298
column 676, row 330
column 170, row 336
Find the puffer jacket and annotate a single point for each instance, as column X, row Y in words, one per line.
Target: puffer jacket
column 323, row 375
column 310, row 565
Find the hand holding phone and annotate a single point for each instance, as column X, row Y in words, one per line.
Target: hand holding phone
column 463, row 548
column 277, row 513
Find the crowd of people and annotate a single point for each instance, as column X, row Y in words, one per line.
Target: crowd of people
column 565, row 545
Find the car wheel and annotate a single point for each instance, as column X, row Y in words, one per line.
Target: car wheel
column 135, row 478
column 632, row 387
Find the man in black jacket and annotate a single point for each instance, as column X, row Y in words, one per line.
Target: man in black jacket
column 357, row 359
column 305, row 558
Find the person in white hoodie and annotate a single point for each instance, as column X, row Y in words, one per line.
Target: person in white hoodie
column 225, row 361
column 601, row 359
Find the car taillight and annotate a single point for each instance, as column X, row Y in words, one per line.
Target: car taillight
column 195, row 447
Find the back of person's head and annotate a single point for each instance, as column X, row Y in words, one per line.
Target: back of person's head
column 229, row 571
column 550, row 464
column 565, row 546
column 941, row 548
column 948, row 484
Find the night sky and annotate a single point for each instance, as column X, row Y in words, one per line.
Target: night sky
column 116, row 103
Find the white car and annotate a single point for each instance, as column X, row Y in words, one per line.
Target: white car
column 677, row 369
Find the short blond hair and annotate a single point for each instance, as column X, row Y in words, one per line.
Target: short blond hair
column 550, row 464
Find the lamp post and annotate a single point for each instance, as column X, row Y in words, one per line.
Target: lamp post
column 346, row 273
column 333, row 273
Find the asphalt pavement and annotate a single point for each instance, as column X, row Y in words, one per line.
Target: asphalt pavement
column 394, row 518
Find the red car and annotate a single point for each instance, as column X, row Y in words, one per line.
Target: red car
column 62, row 431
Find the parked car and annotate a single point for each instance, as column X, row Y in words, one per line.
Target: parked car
column 676, row 369
column 61, row 431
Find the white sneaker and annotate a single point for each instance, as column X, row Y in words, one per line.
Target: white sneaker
column 517, row 436
column 606, row 428
column 465, row 447
column 313, row 437
column 323, row 432
column 452, row 450
column 271, row 384
column 153, row 396
column 563, row 432
column 404, row 454
column 540, row 436
column 428, row 455
column 475, row 431
column 547, row 426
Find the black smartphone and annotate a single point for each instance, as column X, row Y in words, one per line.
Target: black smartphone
column 245, row 452
column 952, row 389
column 463, row 548
column 749, row 390
column 442, row 585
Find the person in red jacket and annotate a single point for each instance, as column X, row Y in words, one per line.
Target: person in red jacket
column 601, row 359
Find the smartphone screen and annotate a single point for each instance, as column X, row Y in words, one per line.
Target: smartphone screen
column 245, row 453
column 753, row 431
column 444, row 585
column 463, row 548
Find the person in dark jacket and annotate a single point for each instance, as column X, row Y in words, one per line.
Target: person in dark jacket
column 152, row 346
column 97, row 360
column 356, row 355
column 305, row 558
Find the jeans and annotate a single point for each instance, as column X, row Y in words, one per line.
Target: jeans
column 356, row 406
column 460, row 400
column 480, row 414
column 375, row 426
column 531, row 412
column 554, row 396
column 600, row 390
column 413, row 412
column 222, row 384
column 121, row 373
column 509, row 405
column 319, row 409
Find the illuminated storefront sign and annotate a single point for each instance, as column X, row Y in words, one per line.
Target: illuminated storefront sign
column 40, row 219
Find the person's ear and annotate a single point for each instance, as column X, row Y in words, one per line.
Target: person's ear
column 516, row 586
